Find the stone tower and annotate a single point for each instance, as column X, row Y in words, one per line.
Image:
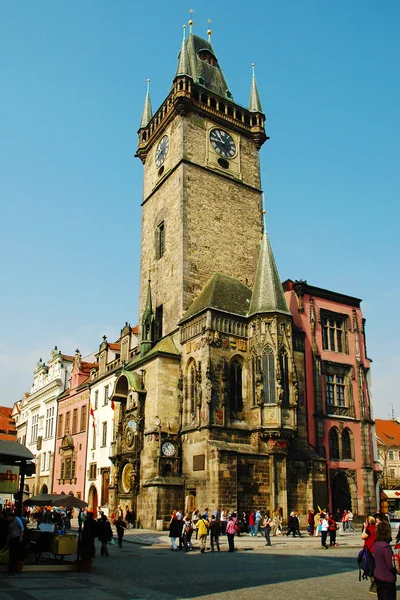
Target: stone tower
column 207, row 407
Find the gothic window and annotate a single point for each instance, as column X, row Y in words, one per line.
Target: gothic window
column 191, row 390
column 160, row 240
column 334, row 332
column 235, row 388
column 284, row 369
column 255, row 369
column 268, row 362
column 347, row 453
column 334, row 445
column 158, row 325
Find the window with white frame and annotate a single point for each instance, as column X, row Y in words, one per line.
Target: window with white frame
column 391, row 455
column 334, row 331
column 104, row 434
column 335, row 390
column 105, row 396
column 34, row 428
column 43, row 466
column 96, row 400
column 49, row 422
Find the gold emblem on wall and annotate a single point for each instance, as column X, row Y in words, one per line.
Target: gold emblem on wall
column 126, row 478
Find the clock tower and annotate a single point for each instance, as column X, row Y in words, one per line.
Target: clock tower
column 212, row 387
column 202, row 199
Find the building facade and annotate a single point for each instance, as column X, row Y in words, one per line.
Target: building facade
column 215, row 406
column 40, row 408
column 72, row 431
column 332, row 357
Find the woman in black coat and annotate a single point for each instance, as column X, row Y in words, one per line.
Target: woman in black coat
column 104, row 534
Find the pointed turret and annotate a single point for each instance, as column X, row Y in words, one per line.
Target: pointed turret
column 268, row 296
column 147, row 324
column 255, row 102
column 147, row 112
column 183, row 58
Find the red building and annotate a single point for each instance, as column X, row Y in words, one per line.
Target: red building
column 334, row 370
column 72, row 432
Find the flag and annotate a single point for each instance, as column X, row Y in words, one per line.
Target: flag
column 92, row 415
column 112, row 404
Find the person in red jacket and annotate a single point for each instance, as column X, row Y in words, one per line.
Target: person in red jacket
column 252, row 523
column 368, row 535
column 332, row 526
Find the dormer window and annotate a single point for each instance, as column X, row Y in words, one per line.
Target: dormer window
column 208, row 57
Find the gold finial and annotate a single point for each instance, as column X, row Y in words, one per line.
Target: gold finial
column 184, row 32
column 148, row 85
column 209, row 32
column 191, row 22
column 252, row 68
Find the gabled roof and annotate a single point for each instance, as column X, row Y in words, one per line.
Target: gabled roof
column 222, row 293
column 388, row 432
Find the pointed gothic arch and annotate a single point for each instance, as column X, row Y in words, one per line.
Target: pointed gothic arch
column 284, row 375
column 236, row 388
column 269, row 379
column 190, row 391
column 347, row 444
column 334, row 450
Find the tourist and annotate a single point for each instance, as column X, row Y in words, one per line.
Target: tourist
column 323, row 527
column 104, row 533
column 332, row 527
column 345, row 520
column 368, row 535
column 317, row 518
column 292, row 525
column 384, row 573
column 266, row 528
column 120, row 526
column 88, row 535
column 297, row 524
column 14, row 541
column 215, row 531
column 231, row 529
column 252, row 523
column 350, row 518
column 257, row 519
column 224, row 520
column 175, row 530
column 187, row 532
column 195, row 518
column 202, row 527
column 310, row 522
column 338, row 520
column 277, row 523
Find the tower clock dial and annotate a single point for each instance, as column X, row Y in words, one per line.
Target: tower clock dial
column 162, row 150
column 223, row 143
column 168, row 449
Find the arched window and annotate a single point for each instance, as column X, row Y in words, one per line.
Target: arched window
column 268, row 363
column 334, row 445
column 284, row 368
column 235, row 388
column 254, row 371
column 346, row 445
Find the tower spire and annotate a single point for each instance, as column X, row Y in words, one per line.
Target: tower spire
column 183, row 61
column 147, row 112
column 268, row 296
column 255, row 102
column 147, row 323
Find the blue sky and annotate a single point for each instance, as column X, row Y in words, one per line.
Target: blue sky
column 73, row 85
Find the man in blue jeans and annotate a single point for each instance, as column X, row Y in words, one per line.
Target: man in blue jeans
column 258, row 523
column 14, row 541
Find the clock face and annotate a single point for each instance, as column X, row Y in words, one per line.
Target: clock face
column 162, row 150
column 126, row 478
column 223, row 143
column 130, row 431
column 168, row 449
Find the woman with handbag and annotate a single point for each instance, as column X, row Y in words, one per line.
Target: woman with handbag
column 187, row 532
column 266, row 528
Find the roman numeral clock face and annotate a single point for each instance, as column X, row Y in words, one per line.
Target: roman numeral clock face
column 223, row 143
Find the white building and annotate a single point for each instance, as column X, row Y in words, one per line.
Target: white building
column 40, row 410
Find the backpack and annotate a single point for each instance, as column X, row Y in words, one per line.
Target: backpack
column 366, row 564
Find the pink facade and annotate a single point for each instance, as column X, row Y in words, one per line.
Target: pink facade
column 72, row 432
column 336, row 392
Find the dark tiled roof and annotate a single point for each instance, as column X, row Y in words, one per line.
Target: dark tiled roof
column 222, row 293
column 213, row 77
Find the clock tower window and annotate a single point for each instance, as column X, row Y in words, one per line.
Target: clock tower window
column 160, row 240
